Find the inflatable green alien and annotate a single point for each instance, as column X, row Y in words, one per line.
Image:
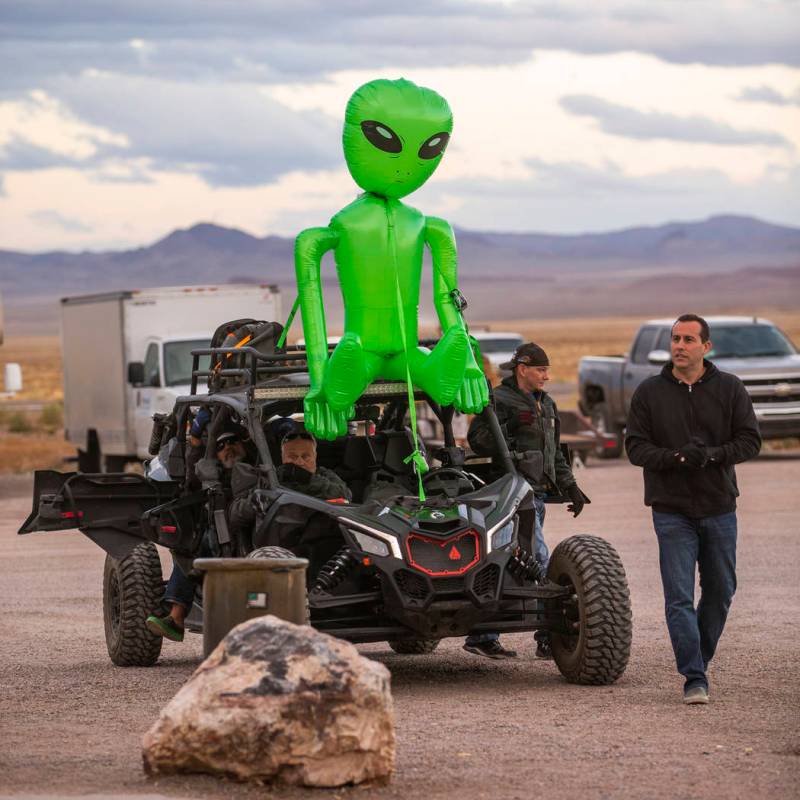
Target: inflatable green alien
column 395, row 133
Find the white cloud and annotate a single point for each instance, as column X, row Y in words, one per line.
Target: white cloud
column 45, row 123
column 119, row 214
column 132, row 157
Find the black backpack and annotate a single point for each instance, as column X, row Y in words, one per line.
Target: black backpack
column 259, row 334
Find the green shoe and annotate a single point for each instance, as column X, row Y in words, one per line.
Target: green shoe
column 166, row 627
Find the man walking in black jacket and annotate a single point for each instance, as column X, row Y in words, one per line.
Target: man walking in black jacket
column 687, row 427
column 528, row 417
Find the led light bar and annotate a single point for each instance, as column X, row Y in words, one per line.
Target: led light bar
column 396, row 389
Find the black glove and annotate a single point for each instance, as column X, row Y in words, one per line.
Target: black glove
column 716, row 455
column 691, row 456
column 291, row 473
column 577, row 502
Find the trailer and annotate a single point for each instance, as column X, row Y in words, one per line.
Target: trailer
column 127, row 356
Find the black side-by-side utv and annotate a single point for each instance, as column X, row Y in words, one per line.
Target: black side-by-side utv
column 403, row 570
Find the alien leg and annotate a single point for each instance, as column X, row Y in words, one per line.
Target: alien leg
column 348, row 372
column 440, row 373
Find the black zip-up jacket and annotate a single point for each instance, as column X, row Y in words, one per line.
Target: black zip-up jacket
column 667, row 414
column 529, row 421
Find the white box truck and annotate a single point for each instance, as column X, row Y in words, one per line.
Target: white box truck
column 127, row 356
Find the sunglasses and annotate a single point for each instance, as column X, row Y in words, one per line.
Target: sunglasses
column 225, row 442
column 290, row 437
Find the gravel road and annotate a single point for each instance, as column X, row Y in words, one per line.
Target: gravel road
column 71, row 723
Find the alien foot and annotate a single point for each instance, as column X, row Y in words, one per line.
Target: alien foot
column 473, row 395
column 323, row 421
column 441, row 373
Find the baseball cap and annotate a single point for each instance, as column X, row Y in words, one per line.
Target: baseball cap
column 228, row 437
column 529, row 354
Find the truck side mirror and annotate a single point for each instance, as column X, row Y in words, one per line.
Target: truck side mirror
column 658, row 356
column 136, row 373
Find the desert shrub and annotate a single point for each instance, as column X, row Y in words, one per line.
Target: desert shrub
column 19, row 423
column 52, row 417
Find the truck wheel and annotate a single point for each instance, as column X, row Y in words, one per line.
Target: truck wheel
column 413, row 646
column 89, row 460
column 601, row 420
column 133, row 589
column 596, row 648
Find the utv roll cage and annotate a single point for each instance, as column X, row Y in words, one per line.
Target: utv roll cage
column 270, row 382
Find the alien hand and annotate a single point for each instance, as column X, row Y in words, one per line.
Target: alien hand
column 473, row 395
column 321, row 419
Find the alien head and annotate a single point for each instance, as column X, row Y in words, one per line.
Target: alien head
column 394, row 135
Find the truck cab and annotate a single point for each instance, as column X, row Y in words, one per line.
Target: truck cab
column 497, row 346
column 752, row 348
column 127, row 355
column 163, row 376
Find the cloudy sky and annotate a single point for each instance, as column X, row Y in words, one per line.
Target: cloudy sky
column 120, row 121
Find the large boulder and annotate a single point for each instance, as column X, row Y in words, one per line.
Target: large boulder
column 283, row 702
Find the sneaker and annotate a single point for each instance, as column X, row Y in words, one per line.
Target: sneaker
column 697, row 695
column 166, row 627
column 490, row 649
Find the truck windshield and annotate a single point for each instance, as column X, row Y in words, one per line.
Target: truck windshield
column 178, row 360
column 498, row 345
column 748, row 341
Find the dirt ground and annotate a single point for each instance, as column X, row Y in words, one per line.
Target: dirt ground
column 71, row 723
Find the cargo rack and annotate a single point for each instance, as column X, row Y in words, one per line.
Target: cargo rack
column 261, row 378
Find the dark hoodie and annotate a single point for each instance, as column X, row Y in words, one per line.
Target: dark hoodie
column 667, row 414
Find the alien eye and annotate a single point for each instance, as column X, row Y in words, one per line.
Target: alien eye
column 382, row 136
column 434, row 146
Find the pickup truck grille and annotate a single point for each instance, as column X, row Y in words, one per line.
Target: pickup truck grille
column 789, row 398
column 776, row 401
column 771, row 382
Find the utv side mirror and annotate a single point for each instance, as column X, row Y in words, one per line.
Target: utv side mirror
column 531, row 465
column 136, row 373
column 658, row 356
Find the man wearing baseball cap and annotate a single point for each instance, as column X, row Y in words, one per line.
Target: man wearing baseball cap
column 529, row 420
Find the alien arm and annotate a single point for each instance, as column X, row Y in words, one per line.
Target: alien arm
column 309, row 247
column 442, row 243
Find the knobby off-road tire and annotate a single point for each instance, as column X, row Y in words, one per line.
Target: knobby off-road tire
column 271, row 552
column 601, row 420
column 133, row 588
column 598, row 650
column 413, row 646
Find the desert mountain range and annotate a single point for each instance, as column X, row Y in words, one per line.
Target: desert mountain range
column 720, row 264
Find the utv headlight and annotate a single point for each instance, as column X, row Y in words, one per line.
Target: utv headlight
column 369, row 544
column 503, row 536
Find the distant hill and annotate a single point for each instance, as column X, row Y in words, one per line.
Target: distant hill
column 717, row 262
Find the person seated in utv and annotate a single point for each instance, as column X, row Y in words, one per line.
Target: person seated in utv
column 298, row 471
column 311, row 534
column 233, row 446
column 179, row 595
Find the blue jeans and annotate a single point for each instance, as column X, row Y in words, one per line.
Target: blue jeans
column 180, row 589
column 542, row 556
column 709, row 543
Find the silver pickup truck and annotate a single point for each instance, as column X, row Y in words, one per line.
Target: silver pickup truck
column 752, row 348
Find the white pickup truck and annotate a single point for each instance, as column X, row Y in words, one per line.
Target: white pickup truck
column 127, row 355
column 752, row 348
